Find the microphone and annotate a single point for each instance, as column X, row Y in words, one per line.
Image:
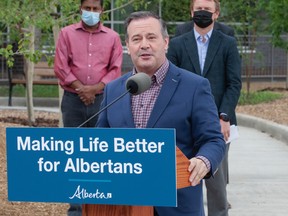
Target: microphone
column 135, row 85
column 138, row 83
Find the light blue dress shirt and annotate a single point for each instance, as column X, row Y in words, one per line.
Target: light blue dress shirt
column 202, row 45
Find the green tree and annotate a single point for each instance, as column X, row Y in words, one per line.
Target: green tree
column 248, row 17
column 172, row 11
column 278, row 25
column 23, row 17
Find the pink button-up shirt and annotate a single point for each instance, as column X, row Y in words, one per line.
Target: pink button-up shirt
column 88, row 57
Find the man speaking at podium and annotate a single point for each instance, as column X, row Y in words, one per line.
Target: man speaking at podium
column 176, row 99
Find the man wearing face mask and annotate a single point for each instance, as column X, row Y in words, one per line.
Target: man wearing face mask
column 88, row 56
column 188, row 26
column 213, row 55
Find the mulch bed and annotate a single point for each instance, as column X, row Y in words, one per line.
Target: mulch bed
column 13, row 118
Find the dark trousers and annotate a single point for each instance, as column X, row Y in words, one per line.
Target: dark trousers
column 216, row 189
column 74, row 113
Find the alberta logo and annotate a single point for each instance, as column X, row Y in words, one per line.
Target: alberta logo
column 82, row 193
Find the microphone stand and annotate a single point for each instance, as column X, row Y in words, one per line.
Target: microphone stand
column 108, row 105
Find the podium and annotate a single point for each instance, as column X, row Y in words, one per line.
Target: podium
column 182, row 173
column 70, row 158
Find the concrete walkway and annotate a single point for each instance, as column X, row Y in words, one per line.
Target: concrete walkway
column 41, row 104
column 258, row 175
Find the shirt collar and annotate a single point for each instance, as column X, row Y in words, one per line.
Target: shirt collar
column 197, row 35
column 79, row 25
column 160, row 73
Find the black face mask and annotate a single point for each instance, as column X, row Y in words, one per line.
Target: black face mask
column 202, row 18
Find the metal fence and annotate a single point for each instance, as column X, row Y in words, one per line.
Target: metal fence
column 262, row 59
column 259, row 58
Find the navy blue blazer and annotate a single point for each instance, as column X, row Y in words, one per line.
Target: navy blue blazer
column 185, row 103
column 222, row 67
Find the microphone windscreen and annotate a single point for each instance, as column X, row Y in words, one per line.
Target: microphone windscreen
column 138, row 83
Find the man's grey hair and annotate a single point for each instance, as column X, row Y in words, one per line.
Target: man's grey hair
column 144, row 15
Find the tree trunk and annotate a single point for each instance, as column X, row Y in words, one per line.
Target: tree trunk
column 56, row 30
column 29, row 78
column 287, row 70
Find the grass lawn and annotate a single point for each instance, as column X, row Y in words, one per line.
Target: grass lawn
column 258, row 97
column 38, row 91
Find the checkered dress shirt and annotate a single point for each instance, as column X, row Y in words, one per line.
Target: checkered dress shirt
column 142, row 104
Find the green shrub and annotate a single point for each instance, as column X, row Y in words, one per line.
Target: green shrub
column 258, row 97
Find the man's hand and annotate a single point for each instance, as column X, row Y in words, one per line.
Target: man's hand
column 225, row 129
column 198, row 171
column 86, row 94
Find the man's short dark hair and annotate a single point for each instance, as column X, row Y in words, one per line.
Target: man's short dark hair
column 143, row 15
column 101, row 2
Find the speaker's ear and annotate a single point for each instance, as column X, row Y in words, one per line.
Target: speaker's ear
column 127, row 47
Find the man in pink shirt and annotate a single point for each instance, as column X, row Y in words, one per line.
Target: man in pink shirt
column 88, row 56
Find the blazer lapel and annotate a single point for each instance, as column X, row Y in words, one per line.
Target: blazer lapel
column 126, row 101
column 214, row 44
column 192, row 51
column 169, row 86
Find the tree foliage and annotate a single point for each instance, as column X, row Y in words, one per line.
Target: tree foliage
column 17, row 16
column 258, row 17
column 261, row 16
column 22, row 18
column 250, row 16
column 247, row 17
column 278, row 16
column 173, row 11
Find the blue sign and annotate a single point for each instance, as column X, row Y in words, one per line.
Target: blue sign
column 92, row 166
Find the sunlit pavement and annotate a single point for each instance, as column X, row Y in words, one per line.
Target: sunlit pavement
column 258, row 175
